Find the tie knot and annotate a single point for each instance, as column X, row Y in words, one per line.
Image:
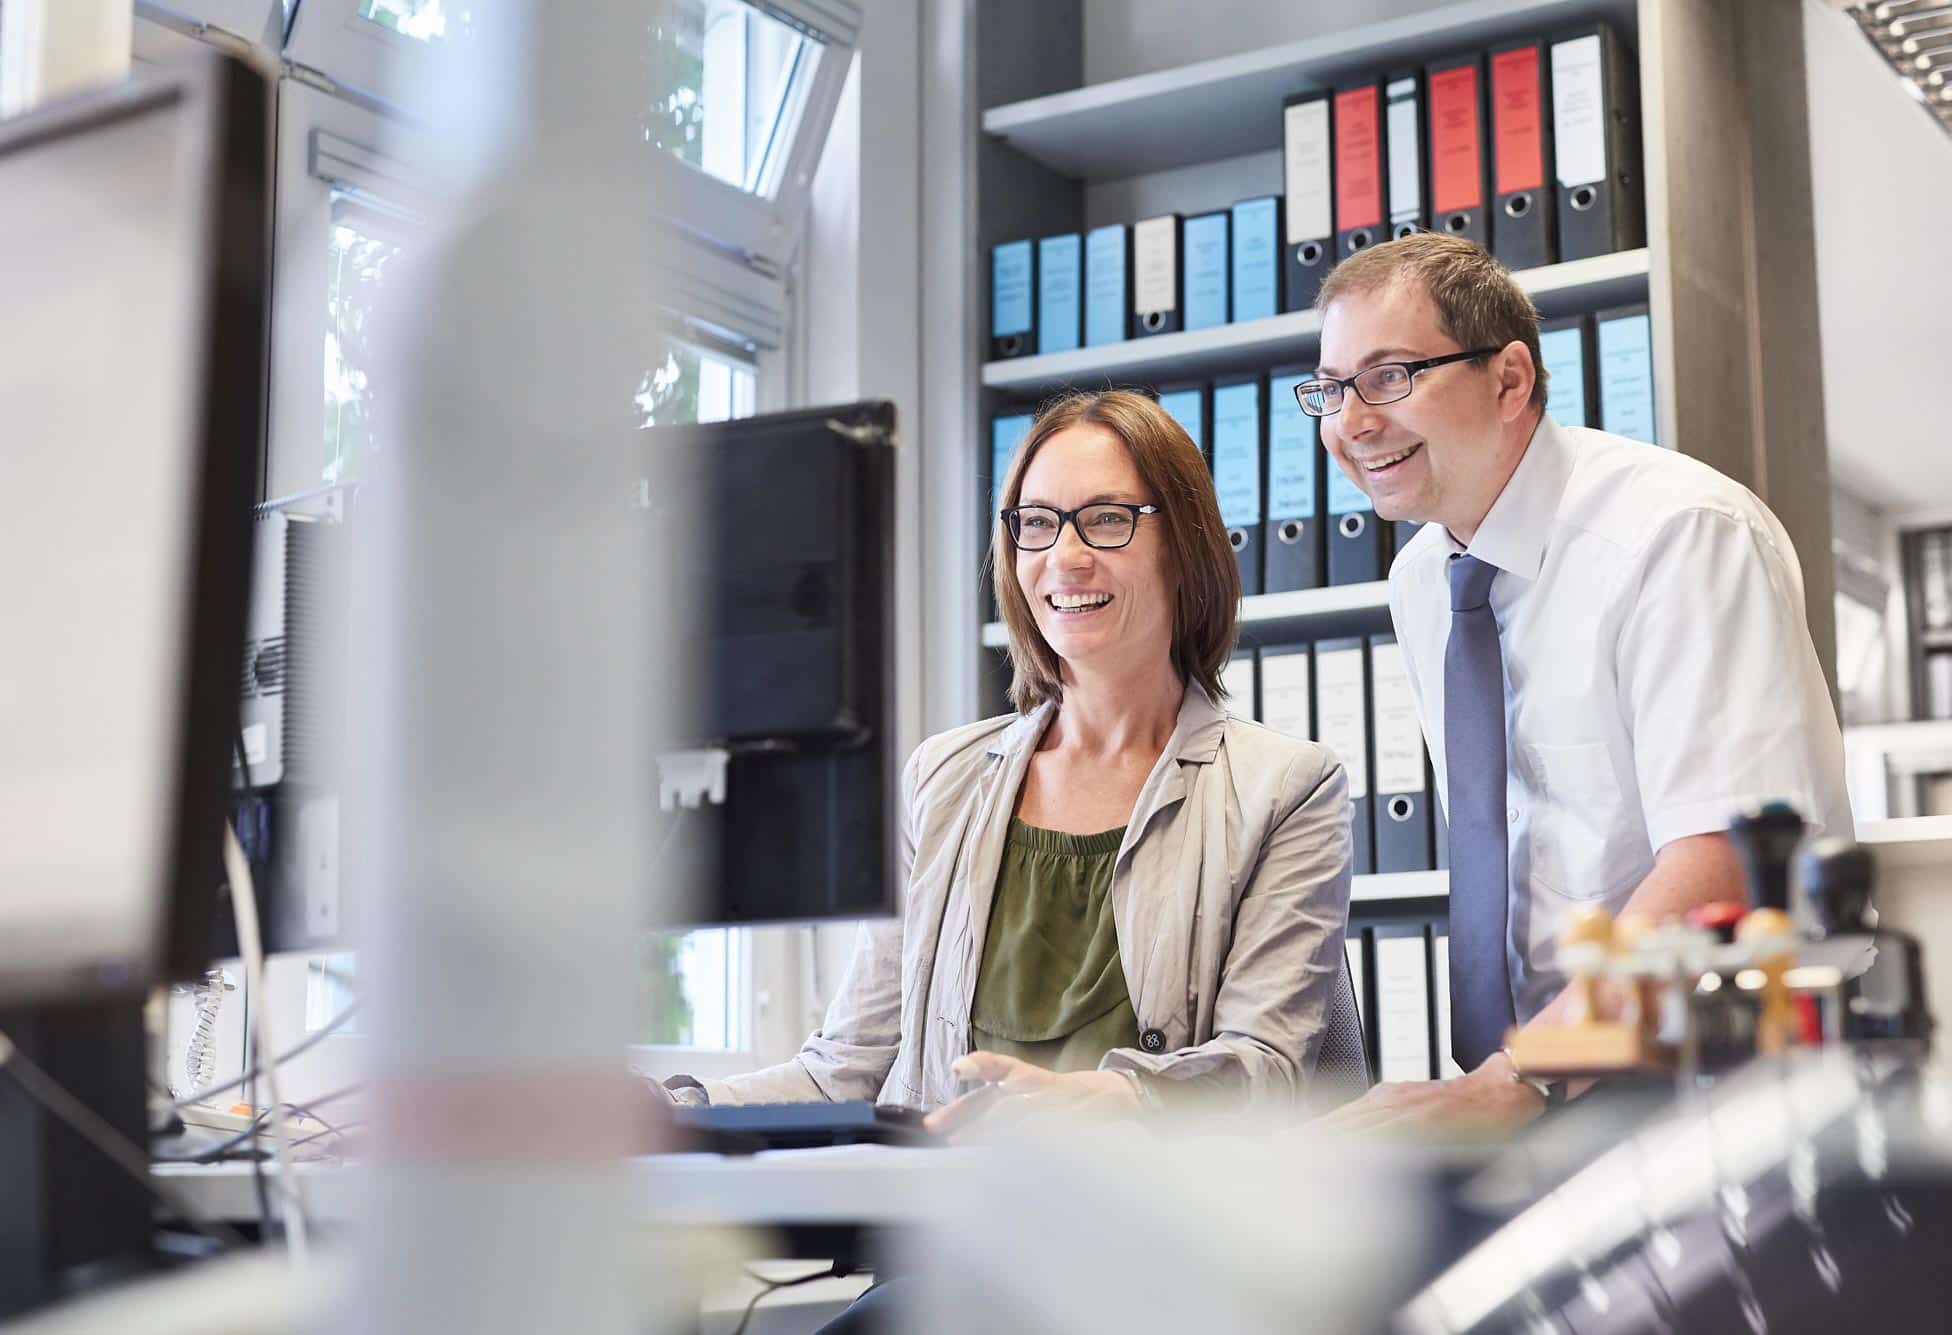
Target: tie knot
column 1470, row 583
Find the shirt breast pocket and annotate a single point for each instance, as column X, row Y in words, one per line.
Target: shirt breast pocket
column 1576, row 842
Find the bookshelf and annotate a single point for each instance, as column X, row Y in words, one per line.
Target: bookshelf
column 1254, row 345
column 1213, row 109
column 1729, row 261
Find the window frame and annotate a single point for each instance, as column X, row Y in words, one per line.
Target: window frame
column 302, row 223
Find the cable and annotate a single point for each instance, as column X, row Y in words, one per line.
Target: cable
column 243, row 900
column 92, row 1127
column 251, row 1072
column 774, row 1286
column 221, row 1150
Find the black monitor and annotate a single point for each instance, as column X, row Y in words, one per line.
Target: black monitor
column 783, row 528
column 134, row 226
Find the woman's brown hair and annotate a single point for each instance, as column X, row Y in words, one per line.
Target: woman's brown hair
column 1199, row 560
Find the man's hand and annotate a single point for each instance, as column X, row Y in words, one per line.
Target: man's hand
column 1489, row 1099
column 1025, row 1090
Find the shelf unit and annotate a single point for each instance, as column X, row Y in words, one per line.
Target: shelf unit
column 1046, row 155
column 1228, row 107
column 1557, row 289
column 1400, row 885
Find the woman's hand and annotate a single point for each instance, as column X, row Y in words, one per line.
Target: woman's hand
column 1024, row 1090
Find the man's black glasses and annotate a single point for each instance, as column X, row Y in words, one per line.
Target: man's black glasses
column 1385, row 382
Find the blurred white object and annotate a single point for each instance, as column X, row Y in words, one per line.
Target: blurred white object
column 1234, row 1227
column 505, row 692
column 49, row 48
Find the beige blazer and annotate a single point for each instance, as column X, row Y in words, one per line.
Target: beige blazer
column 1230, row 893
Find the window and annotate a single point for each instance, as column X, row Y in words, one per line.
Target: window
column 728, row 83
column 426, row 20
column 361, row 244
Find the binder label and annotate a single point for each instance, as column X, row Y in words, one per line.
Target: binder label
column 1206, row 271
column 1285, row 693
column 1305, row 139
column 1010, row 294
column 1578, row 111
column 1399, row 738
column 1104, row 278
column 1341, row 714
column 1563, row 354
column 1440, row 957
column 1520, row 152
column 1005, row 434
column 1358, row 160
column 1059, row 287
column 1237, row 453
column 1291, row 455
column 1627, row 377
column 1456, row 169
column 1256, row 265
column 1183, row 406
column 1155, row 265
column 1238, row 679
column 1344, row 496
column 1402, row 1008
column 1405, row 167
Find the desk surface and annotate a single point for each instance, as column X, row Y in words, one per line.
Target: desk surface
column 855, row 1184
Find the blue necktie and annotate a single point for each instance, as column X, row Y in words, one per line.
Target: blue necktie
column 1480, row 865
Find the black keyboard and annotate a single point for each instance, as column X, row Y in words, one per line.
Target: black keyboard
column 749, row 1128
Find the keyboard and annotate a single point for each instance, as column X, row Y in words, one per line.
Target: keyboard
column 749, row 1128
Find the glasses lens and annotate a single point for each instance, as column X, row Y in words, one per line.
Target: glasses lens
column 1105, row 525
column 1319, row 398
column 1384, row 384
column 1033, row 528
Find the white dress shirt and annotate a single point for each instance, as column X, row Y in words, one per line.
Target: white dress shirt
column 1659, row 673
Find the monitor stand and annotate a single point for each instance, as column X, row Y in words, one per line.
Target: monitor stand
column 70, row 1218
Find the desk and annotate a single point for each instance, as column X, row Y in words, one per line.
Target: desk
column 853, row 1185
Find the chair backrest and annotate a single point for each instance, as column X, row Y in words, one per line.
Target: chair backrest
column 1341, row 1062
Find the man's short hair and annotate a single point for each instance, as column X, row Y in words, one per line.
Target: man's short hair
column 1479, row 304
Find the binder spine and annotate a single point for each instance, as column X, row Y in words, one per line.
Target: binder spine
column 1596, row 124
column 1308, row 171
column 1454, row 91
column 1403, row 830
column 1524, row 216
column 1013, row 300
column 1342, row 717
column 1237, row 459
column 1359, row 221
column 1158, row 276
column 1409, row 164
column 1291, row 542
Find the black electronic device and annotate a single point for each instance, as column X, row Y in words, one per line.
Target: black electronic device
column 749, row 1128
column 289, row 765
column 134, row 255
column 792, row 518
column 1765, row 837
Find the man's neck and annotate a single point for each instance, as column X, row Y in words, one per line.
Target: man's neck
column 1514, row 441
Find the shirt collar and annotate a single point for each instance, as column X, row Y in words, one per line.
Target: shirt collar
column 1515, row 531
column 1196, row 735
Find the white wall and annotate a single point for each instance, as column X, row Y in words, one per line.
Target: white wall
column 1127, row 37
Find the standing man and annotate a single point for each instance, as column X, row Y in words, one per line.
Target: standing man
column 1606, row 641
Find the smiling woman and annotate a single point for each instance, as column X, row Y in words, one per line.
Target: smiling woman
column 1119, row 896
column 1146, row 462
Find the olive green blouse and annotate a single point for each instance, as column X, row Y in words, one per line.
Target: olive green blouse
column 1051, row 990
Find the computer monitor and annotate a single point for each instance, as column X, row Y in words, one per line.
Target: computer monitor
column 134, row 226
column 787, row 521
